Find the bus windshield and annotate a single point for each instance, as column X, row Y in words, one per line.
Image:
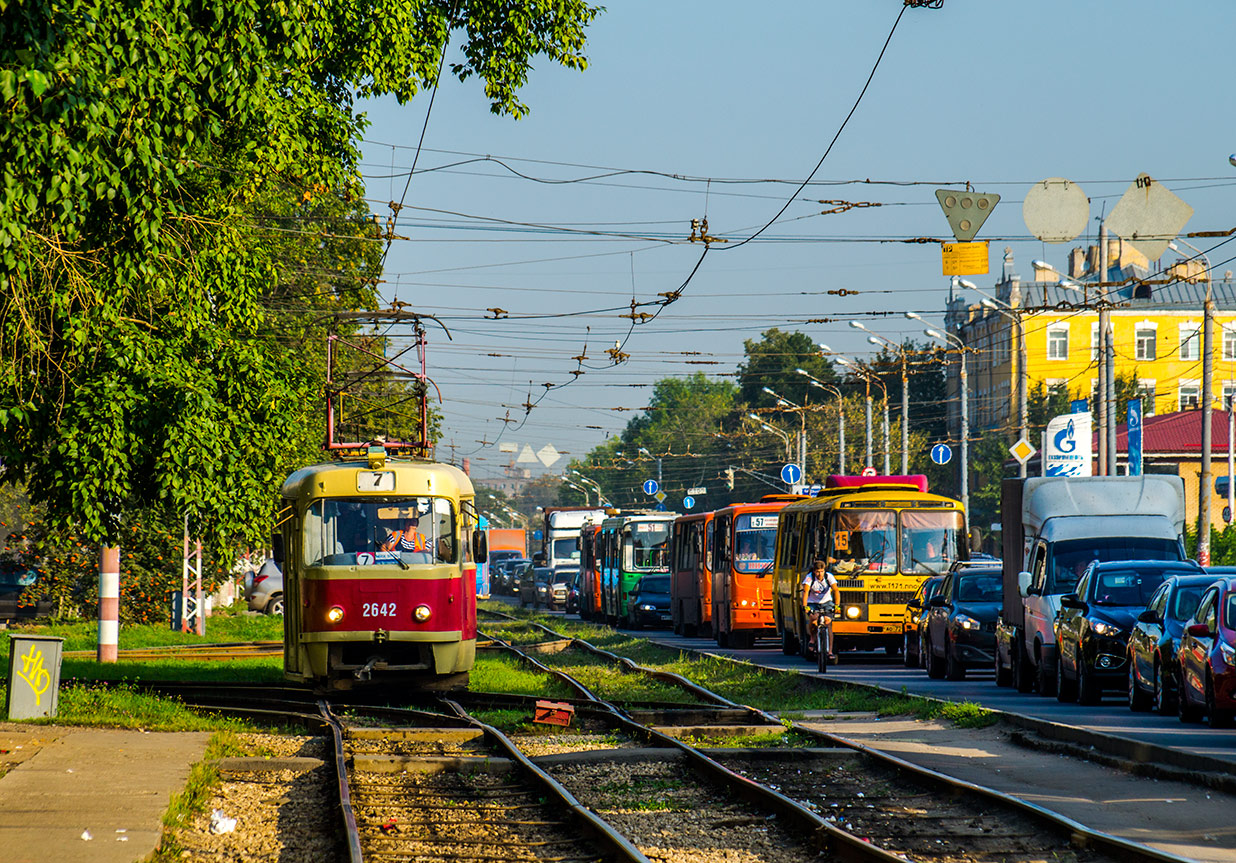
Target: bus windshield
column 865, row 541
column 929, row 540
column 407, row 531
column 755, row 535
column 650, row 543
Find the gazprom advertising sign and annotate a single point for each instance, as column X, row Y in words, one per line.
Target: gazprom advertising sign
column 1069, row 446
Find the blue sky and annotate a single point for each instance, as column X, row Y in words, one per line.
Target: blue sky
column 999, row 94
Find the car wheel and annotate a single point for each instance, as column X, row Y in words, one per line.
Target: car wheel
column 908, row 658
column 1022, row 678
column 1138, row 698
column 1004, row 676
column 1164, row 698
column 1066, row 690
column 1088, row 691
column 953, row 670
column 789, row 644
column 1217, row 717
column 1184, row 710
column 275, row 606
column 935, row 664
column 1045, row 681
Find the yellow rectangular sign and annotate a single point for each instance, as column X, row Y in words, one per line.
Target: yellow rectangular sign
column 964, row 259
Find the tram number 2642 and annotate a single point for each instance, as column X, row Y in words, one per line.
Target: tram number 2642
column 378, row 609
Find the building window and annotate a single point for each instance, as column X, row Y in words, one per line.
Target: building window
column 1190, row 341
column 1229, row 390
column 1190, row 394
column 1058, row 342
column 1229, row 343
column 1145, row 338
column 1094, row 340
column 1145, row 389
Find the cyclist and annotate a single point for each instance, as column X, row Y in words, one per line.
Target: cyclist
column 820, row 595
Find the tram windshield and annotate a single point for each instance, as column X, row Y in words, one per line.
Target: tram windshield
column 755, row 536
column 929, row 540
column 360, row 532
column 651, row 546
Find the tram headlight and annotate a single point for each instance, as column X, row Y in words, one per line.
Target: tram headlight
column 422, row 613
column 335, row 614
column 853, row 612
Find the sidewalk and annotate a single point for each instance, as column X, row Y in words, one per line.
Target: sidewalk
column 113, row 784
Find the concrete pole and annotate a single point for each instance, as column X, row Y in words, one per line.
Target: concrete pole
column 1231, row 457
column 201, row 602
column 840, row 434
column 1203, row 497
column 109, row 603
column 1112, row 403
column 1104, row 324
column 905, row 415
column 888, row 444
column 1023, row 384
column 868, row 422
column 965, row 443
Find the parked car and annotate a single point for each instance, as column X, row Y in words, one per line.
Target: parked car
column 1207, row 658
column 573, row 589
column 265, row 593
column 497, row 566
column 559, row 585
column 1152, row 668
column 961, row 621
column 14, row 580
column 915, row 620
column 505, row 570
column 534, row 586
column 1093, row 626
column 518, row 574
column 649, row 604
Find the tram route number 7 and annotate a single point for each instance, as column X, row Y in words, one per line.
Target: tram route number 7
column 377, row 609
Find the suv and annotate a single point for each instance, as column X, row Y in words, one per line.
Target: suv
column 961, row 621
column 1093, row 625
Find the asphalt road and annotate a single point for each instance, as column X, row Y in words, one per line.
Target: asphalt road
column 1112, row 716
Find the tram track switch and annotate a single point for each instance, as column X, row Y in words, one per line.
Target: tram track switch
column 554, row 713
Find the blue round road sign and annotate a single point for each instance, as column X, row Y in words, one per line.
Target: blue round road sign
column 941, row 453
column 688, row 502
column 791, row 474
column 651, row 487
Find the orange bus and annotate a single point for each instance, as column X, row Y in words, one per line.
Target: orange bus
column 589, row 572
column 691, row 582
column 744, row 541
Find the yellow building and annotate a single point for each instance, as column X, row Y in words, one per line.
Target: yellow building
column 1156, row 330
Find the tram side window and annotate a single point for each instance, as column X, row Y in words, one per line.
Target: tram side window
column 360, row 532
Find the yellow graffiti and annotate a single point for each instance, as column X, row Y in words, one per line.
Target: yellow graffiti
column 33, row 672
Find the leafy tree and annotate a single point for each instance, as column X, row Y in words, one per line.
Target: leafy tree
column 771, row 362
column 157, row 159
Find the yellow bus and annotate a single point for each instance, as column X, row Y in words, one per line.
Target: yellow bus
column 880, row 537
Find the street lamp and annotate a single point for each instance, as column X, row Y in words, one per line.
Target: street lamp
column 819, row 384
column 948, row 338
column 905, row 390
column 776, row 431
column 593, row 483
column 578, row 488
column 658, row 458
column 801, row 410
column 868, row 378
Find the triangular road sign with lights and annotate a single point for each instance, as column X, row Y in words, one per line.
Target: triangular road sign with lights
column 966, row 211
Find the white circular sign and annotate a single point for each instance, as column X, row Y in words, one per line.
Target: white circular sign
column 1055, row 210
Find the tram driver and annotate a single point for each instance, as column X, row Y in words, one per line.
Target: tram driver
column 408, row 539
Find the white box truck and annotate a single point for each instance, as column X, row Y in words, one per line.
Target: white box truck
column 1053, row 527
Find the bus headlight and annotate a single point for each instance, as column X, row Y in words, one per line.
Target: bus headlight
column 421, row 613
column 335, row 614
column 852, row 612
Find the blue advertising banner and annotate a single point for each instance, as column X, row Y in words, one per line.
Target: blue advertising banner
column 1079, row 406
column 1134, row 426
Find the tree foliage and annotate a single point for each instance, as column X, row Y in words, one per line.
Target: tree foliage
column 179, row 210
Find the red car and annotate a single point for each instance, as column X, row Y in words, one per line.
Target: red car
column 1207, row 657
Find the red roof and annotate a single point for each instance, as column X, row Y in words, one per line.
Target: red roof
column 1179, row 432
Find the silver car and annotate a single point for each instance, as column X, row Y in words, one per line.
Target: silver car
column 265, row 590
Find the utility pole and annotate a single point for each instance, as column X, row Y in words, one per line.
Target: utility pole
column 1104, row 325
column 1208, row 361
column 905, row 415
column 868, row 382
column 109, row 603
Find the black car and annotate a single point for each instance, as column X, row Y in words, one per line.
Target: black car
column 572, row 600
column 518, row 575
column 1094, row 622
column 961, row 621
column 498, row 561
column 1153, row 675
column 506, row 573
column 650, row 602
column 915, row 620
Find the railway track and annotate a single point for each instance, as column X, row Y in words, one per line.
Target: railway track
column 867, row 797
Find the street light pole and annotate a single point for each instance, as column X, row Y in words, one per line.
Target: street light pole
column 1014, row 314
column 819, row 384
column 947, row 338
column 776, row 431
column 801, row 410
column 865, row 375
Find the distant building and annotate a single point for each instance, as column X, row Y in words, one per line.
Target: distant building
column 1157, row 331
column 512, row 481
